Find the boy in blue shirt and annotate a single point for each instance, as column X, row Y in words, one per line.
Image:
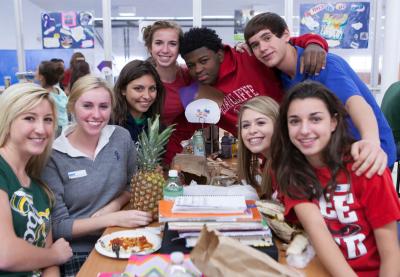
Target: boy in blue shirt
column 267, row 35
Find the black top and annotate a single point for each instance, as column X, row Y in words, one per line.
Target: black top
column 135, row 126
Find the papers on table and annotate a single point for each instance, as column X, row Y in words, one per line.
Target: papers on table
column 221, row 226
column 210, row 204
column 231, row 215
column 246, row 190
column 166, row 214
column 256, row 241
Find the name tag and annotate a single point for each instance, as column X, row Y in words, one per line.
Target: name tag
column 77, row 174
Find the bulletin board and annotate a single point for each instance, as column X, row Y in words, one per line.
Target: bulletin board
column 342, row 24
column 65, row 30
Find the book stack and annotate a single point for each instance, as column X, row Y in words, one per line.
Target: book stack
column 231, row 216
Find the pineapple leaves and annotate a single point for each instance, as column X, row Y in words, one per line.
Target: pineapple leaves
column 151, row 144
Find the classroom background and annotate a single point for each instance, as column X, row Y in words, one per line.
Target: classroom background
column 108, row 33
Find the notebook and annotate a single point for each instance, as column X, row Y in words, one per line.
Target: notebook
column 169, row 244
column 210, row 204
column 167, row 215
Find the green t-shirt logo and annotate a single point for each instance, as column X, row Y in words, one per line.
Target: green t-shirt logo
column 22, row 203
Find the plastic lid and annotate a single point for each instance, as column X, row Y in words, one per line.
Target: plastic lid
column 177, row 257
column 173, row 173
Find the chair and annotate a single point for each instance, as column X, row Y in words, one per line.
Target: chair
column 391, row 109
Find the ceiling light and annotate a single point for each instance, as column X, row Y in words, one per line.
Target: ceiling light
column 126, row 11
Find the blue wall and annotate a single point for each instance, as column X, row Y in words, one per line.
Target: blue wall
column 9, row 63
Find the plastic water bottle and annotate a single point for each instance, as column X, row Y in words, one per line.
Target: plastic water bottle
column 226, row 146
column 173, row 187
column 177, row 268
column 199, row 148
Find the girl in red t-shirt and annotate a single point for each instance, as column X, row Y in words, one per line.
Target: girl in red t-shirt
column 351, row 220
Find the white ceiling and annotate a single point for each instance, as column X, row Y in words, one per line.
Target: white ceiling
column 96, row 5
column 158, row 8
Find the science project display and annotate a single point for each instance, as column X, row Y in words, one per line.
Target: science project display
column 64, row 30
column 342, row 24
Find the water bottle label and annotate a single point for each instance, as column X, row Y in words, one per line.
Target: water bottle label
column 172, row 195
column 172, row 190
column 198, row 151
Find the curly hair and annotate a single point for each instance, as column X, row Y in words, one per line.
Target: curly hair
column 196, row 38
column 148, row 31
column 294, row 175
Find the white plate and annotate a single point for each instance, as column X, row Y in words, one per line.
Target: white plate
column 102, row 244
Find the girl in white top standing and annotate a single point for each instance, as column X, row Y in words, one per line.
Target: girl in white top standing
column 49, row 74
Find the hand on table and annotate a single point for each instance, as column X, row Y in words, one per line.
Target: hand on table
column 131, row 218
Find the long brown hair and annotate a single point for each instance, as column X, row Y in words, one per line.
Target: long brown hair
column 248, row 164
column 132, row 71
column 295, row 177
column 77, row 56
column 79, row 68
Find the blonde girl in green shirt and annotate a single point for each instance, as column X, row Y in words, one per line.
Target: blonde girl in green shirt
column 27, row 129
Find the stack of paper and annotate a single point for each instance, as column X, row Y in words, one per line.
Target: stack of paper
column 167, row 214
column 212, row 204
column 230, row 215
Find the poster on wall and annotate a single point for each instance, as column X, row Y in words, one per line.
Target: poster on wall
column 65, row 30
column 241, row 17
column 342, row 24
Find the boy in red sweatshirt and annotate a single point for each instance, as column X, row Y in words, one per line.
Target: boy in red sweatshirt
column 237, row 75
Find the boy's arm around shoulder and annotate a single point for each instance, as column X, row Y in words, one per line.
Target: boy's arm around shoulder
column 313, row 59
column 368, row 155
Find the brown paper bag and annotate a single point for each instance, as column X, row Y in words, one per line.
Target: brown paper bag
column 218, row 256
column 193, row 167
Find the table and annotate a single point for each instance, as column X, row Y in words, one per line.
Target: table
column 97, row 263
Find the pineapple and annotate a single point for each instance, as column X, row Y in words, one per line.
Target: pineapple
column 147, row 184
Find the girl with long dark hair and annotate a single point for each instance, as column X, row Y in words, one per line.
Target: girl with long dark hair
column 351, row 220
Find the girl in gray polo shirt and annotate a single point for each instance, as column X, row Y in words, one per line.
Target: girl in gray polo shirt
column 89, row 172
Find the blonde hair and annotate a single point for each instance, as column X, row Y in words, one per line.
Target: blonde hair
column 84, row 84
column 247, row 161
column 19, row 99
column 148, row 31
